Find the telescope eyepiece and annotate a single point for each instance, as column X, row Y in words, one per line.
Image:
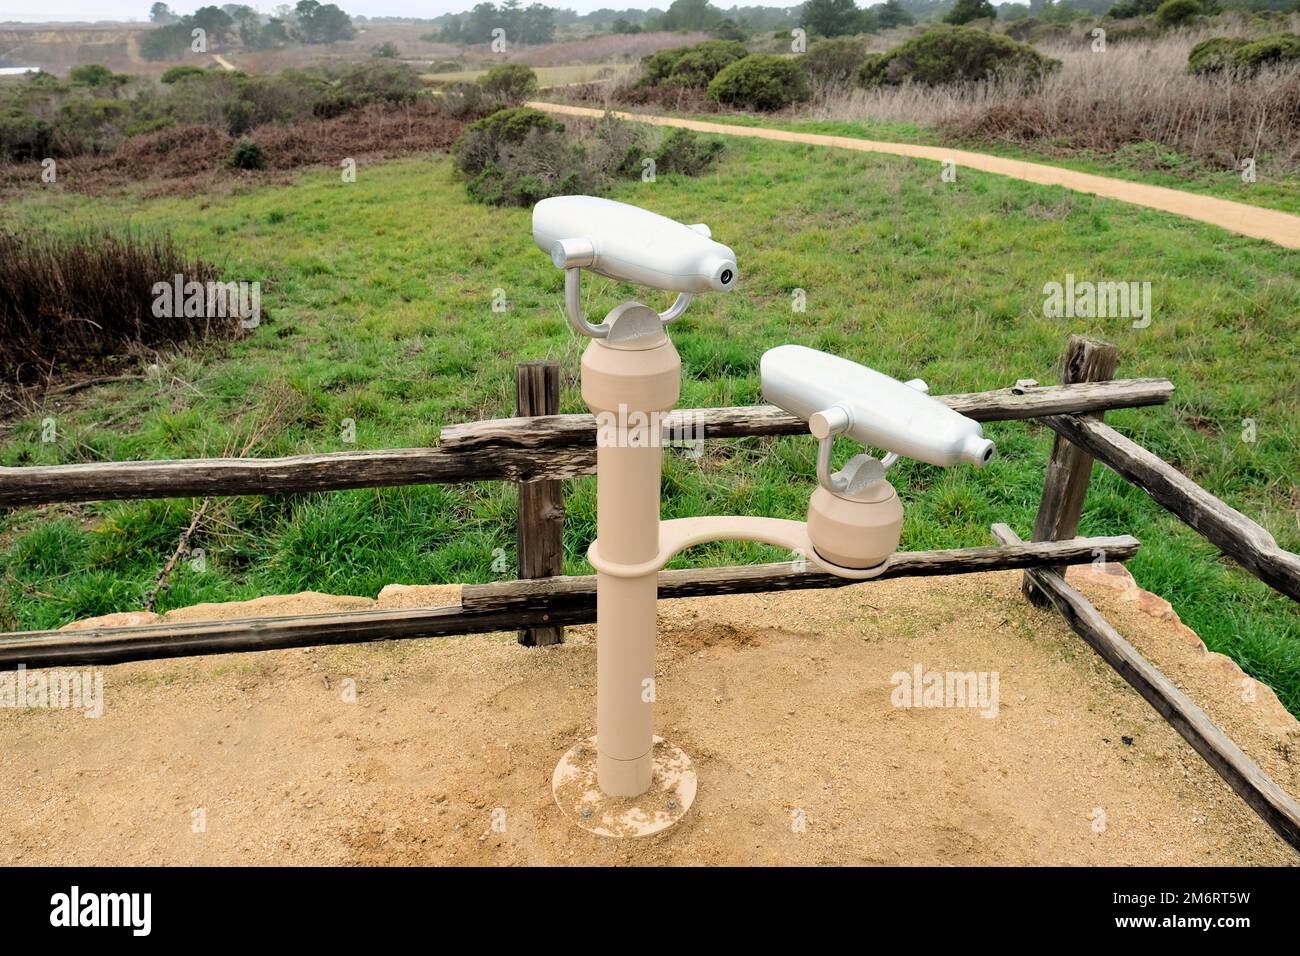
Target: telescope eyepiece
column 721, row 273
column 572, row 253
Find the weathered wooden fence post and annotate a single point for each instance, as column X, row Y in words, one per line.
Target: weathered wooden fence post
column 1069, row 469
column 540, row 540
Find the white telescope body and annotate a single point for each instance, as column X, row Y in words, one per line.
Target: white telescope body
column 633, row 245
column 836, row 396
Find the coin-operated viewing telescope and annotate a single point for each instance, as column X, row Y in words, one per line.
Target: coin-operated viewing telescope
column 855, row 519
column 634, row 245
column 624, row 242
column 626, row 781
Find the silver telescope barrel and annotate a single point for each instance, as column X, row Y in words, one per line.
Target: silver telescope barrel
column 839, row 397
column 631, row 244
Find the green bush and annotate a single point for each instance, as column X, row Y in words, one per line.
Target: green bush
column 286, row 97
column 1129, row 9
column 247, row 155
column 964, row 11
column 1174, row 13
column 1242, row 55
column 237, row 103
column 760, row 81
column 180, row 73
column 91, row 125
column 92, row 74
column 1278, row 48
column 697, row 67
column 948, row 54
column 24, row 138
column 656, row 67
column 43, row 81
column 479, row 144
column 530, row 161
column 140, row 125
column 685, row 151
column 509, row 84
column 619, row 148
column 834, row 62
column 518, row 156
column 512, row 124
column 464, row 101
column 212, row 98
column 503, row 185
column 1212, row 55
column 375, row 81
column 729, row 29
column 690, row 66
column 1021, row 29
column 502, row 87
column 166, row 42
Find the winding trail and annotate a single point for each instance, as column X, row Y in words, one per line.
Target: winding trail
column 1259, row 223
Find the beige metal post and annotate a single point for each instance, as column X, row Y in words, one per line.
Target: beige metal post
column 627, row 390
column 626, row 781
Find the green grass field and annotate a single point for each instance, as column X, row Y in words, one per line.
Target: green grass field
column 378, row 308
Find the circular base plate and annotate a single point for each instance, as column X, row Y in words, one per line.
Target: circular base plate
column 671, row 793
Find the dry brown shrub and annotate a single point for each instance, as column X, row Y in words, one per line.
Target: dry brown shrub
column 183, row 160
column 76, row 301
column 369, row 132
column 1136, row 93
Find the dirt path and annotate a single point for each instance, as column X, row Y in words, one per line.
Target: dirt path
column 1254, row 221
column 782, row 700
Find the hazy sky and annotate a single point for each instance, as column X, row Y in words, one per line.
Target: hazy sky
column 139, row 9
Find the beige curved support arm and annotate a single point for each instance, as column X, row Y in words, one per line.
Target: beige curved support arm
column 679, row 534
column 679, row 305
column 583, row 326
column 573, row 307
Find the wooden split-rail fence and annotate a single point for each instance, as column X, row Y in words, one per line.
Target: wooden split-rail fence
column 540, row 448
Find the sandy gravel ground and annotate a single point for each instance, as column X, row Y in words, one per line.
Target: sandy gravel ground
column 1258, row 222
column 782, row 700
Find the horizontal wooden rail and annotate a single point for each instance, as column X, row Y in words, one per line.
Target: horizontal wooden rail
column 330, row 471
column 744, row 421
column 511, row 449
column 566, row 592
column 1232, row 532
column 504, row 606
column 1274, row 806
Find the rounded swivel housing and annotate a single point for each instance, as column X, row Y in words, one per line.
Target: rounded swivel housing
column 858, row 525
column 855, row 519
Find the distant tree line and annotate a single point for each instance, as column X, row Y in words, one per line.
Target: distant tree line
column 307, row 22
column 537, row 23
column 532, row 24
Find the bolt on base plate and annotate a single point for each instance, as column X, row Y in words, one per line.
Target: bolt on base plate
column 671, row 793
